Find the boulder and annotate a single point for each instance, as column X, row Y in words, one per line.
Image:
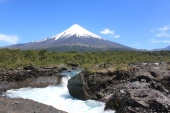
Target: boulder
column 114, row 101
column 78, row 87
column 140, row 101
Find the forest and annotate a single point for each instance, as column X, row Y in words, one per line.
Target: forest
column 15, row 58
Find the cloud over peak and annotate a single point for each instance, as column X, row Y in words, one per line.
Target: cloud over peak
column 12, row 39
column 107, row 31
column 116, row 36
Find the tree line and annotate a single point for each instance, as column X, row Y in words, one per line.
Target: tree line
column 14, row 58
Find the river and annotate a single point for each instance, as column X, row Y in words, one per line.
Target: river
column 59, row 97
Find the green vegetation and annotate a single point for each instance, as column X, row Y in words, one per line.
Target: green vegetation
column 13, row 58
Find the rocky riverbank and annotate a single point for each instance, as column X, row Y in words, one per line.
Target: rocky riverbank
column 142, row 88
column 25, row 106
column 29, row 76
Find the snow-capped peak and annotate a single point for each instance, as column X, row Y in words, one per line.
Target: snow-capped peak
column 76, row 30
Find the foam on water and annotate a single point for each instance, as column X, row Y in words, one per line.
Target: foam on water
column 58, row 97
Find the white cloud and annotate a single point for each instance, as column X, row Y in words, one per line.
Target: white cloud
column 12, row 39
column 117, row 36
column 162, row 32
column 107, row 31
column 165, row 28
column 166, row 41
column 159, row 41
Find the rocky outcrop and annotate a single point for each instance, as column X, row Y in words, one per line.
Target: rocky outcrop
column 25, row 106
column 166, row 82
column 142, row 88
column 139, row 101
column 30, row 76
column 97, row 85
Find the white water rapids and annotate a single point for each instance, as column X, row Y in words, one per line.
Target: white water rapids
column 59, row 97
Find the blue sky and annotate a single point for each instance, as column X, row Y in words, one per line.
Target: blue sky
column 142, row 24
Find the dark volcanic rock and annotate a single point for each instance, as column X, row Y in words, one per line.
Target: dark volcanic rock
column 140, row 101
column 8, row 105
column 30, row 76
column 97, row 85
column 77, row 86
column 166, row 82
column 142, row 88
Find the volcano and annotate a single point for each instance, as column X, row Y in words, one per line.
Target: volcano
column 75, row 38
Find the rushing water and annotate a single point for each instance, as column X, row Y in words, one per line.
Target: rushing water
column 59, row 97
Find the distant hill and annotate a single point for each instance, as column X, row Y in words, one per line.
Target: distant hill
column 167, row 48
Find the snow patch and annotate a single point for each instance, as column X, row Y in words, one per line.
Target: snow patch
column 77, row 31
column 42, row 40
